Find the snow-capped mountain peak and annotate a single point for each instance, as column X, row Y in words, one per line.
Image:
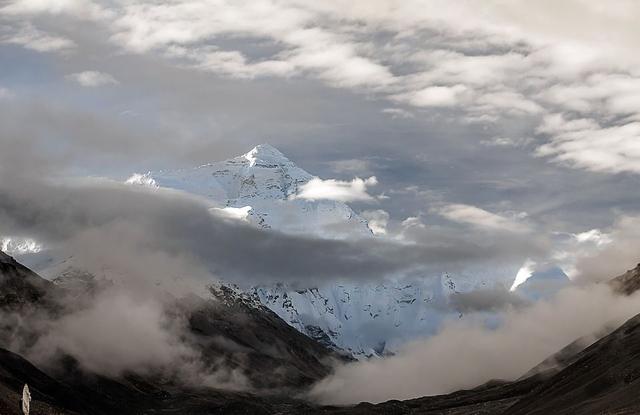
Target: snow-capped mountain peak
column 260, row 185
column 266, row 155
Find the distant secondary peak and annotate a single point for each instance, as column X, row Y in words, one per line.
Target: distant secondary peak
column 265, row 154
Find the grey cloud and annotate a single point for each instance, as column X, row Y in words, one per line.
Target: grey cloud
column 614, row 257
column 486, row 299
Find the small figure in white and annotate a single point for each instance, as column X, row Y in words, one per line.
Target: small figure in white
column 26, row 400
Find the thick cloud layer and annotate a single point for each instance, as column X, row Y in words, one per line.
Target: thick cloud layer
column 114, row 224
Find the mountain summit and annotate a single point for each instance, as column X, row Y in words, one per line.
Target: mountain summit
column 258, row 187
column 265, row 155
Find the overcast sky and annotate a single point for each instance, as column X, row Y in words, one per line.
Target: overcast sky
column 519, row 117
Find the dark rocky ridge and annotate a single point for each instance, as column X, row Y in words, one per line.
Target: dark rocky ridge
column 20, row 286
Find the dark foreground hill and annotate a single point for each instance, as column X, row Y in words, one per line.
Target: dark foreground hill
column 604, row 378
column 226, row 327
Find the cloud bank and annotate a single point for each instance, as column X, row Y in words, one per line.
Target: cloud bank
column 465, row 354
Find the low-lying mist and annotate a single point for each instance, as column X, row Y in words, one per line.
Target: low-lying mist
column 112, row 330
column 466, row 353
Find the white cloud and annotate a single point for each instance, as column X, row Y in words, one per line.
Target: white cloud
column 231, row 63
column 78, row 8
column 508, row 101
column 435, row 96
column 5, row 93
column 31, row 38
column 595, row 236
column 453, row 67
column 585, row 144
column 343, row 191
column 611, row 93
column 378, row 220
column 92, row 78
column 476, row 216
column 187, row 30
column 398, row 113
column 412, row 222
column 506, row 141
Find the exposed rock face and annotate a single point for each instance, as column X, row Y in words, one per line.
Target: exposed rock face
column 269, row 352
column 627, row 283
column 19, row 286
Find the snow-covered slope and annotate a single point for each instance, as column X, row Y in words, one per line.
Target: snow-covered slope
column 365, row 319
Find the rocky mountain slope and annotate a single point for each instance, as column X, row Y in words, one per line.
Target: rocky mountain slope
column 223, row 328
column 627, row 283
column 21, row 286
column 603, row 378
